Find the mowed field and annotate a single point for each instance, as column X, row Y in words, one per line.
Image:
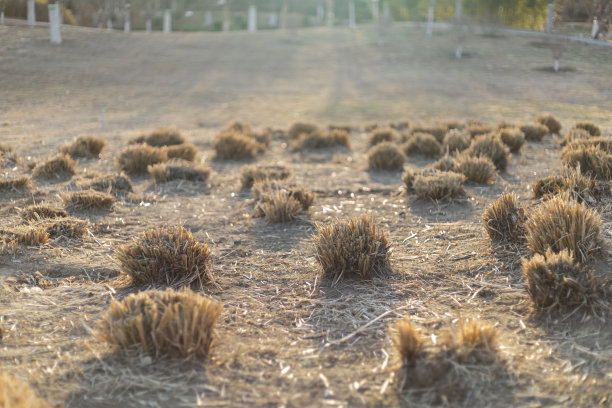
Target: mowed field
column 286, row 335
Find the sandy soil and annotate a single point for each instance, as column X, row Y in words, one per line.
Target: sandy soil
column 285, row 338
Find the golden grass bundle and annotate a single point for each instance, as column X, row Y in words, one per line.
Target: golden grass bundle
column 84, row 146
column 137, row 158
column 60, row 166
column 18, row 394
column 352, row 248
column 504, row 124
column 513, row 138
column 41, row 211
column 116, row 184
column 592, row 128
column 504, row 219
column 579, row 187
column 601, row 143
column 370, row 127
column 575, row 134
column 564, row 224
column 407, row 341
column 557, row 284
column 236, row 146
column 474, row 342
column 279, row 206
column 346, row 128
column 165, row 256
column 438, row 185
column 15, row 183
column 534, row 133
column 31, row 235
column 590, row 159
column 9, row 156
column 161, row 323
column 176, row 169
column 380, row 135
column 251, row 174
column 479, row 170
column 299, row 128
column 67, row 227
column 455, row 140
column 185, row 151
column 400, row 125
column 551, row 122
column 446, row 163
column 422, row 143
column 474, row 129
column 437, row 130
column 386, row 156
column 322, row 139
column 240, row 127
column 88, row 200
column 162, row 137
column 490, row 146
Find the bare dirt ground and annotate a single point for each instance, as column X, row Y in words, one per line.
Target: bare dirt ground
column 286, row 338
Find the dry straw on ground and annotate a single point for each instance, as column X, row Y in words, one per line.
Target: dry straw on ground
column 551, row 122
column 322, row 139
column 592, row 128
column 455, row 140
column 504, row 219
column 15, row 183
column 88, row 200
column 18, row 394
column 185, row 151
column 63, row 227
column 176, row 169
column 165, row 256
column 9, row 156
column 30, row 235
column 232, row 145
column 535, row 132
column 137, row 158
column 422, row 143
column 480, row 170
column 84, row 146
column 386, row 156
column 590, row 159
column 557, row 284
column 513, row 138
column 61, row 166
column 116, row 184
column 380, row 135
column 161, row 323
column 299, row 128
column 41, row 211
column 438, row 185
column 564, row 224
column 161, row 137
column 579, row 187
column 356, row 248
column 490, row 146
column 251, row 174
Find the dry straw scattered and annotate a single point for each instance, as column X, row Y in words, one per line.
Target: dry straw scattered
column 535, row 132
column 41, row 211
column 185, row 151
column 84, row 146
column 300, row 128
column 176, row 169
column 386, row 156
column 15, row 183
column 116, row 184
column 557, row 284
column 251, row 174
column 591, row 160
column 161, row 323
column 551, row 122
column 513, row 138
column 30, row 235
column 380, row 135
column 455, row 140
column 490, row 146
column 161, row 137
column 422, row 143
column 504, row 219
column 479, row 170
column 88, row 200
column 165, row 256
column 322, row 139
column 18, row 394
column 137, row 158
column 438, row 185
column 356, row 248
column 232, row 145
column 61, row 166
column 564, row 224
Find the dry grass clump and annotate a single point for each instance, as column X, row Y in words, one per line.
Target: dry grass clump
column 504, row 220
column 551, row 122
column 407, row 341
column 513, row 138
column 422, row 143
column 299, row 128
column 89, row 200
column 161, row 137
column 15, row 183
column 278, row 202
column 446, row 163
column 31, row 235
column 534, row 133
column 137, row 158
column 476, row 128
column 251, row 174
column 564, row 224
column 579, row 187
column 382, row 135
column 480, row 170
column 60, row 166
column 592, row 128
column 240, row 127
column 41, row 211
column 352, row 248
column 116, row 184
column 161, row 323
column 370, row 127
column 400, row 125
column 455, row 140
column 231, row 145
column 84, row 146
column 490, row 146
column 67, row 227
column 185, row 151
column 18, row 394
column 177, row 169
column 557, row 284
column 601, row 143
column 590, row 159
column 386, row 156
column 322, row 139
column 346, row 128
column 438, row 131
column 9, row 156
column 165, row 256
column 438, row 185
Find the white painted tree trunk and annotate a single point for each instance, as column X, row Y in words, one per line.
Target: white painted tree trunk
column 550, row 14
column 252, row 25
column 1, row 17
column 226, row 16
column 430, row 18
column 386, row 13
column 330, row 13
column 375, row 11
column 127, row 23
column 458, row 9
column 459, row 51
column 54, row 24
column 31, row 13
column 148, row 25
column 595, row 29
column 109, row 24
column 320, row 14
column 284, row 14
column 351, row 10
column 208, row 18
column 556, row 65
column 167, row 21
column 273, row 20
